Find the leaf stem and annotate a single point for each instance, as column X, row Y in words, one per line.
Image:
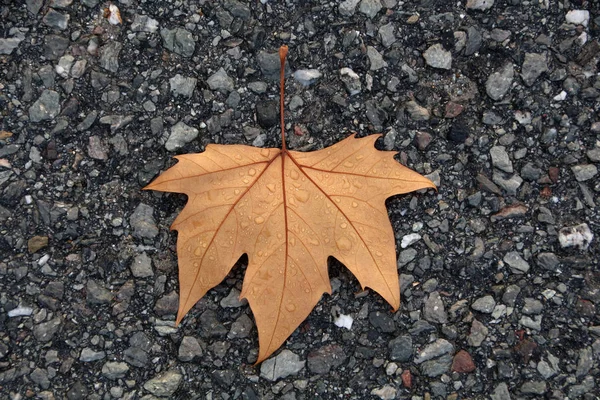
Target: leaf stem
column 282, row 53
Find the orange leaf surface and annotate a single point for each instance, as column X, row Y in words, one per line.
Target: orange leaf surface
column 288, row 211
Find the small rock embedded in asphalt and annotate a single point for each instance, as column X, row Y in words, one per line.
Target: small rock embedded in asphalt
column 233, row 300
column 141, row 267
column 575, row 236
column 370, row 7
column 584, row 172
column 267, row 113
column 382, row 321
column 221, row 81
column 436, row 57
column 45, row 331
column 498, row 83
column 463, row 362
column 477, row 334
column 183, row 86
column 37, row 243
column 109, row 56
column 500, row 159
column 189, row 349
column 433, row 310
column 348, row 7
column 46, row 107
column 142, row 222
column 323, row 359
column 534, row 65
column 517, row 264
column 484, row 304
column 375, row 59
column 96, row 293
column 179, row 41
column 181, row 134
column 433, row 350
column 387, row 392
column 480, row 5
column 164, row 384
column 401, row 348
column 114, row 370
column 283, row 365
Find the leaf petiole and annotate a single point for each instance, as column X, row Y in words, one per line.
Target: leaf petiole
column 282, row 53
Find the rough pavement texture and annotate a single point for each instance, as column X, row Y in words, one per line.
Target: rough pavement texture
column 497, row 101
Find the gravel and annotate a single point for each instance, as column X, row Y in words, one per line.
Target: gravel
column 496, row 101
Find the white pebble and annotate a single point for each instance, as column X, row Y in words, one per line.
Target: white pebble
column 409, row 239
column 20, row 311
column 344, row 321
column 578, row 17
column 561, row 96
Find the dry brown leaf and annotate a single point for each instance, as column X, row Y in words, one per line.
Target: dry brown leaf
column 288, row 211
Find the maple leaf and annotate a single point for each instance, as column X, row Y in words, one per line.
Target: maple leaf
column 288, row 211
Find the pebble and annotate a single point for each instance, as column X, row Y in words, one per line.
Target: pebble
column 370, row 8
column 57, row 20
column 258, row 87
column 417, row 112
column 89, row 355
column 189, row 349
column 241, row 327
column 114, row 370
column 325, row 358
column 143, row 23
column 534, row 387
column 382, row 321
column 459, row 132
column 351, row 81
column 436, row 349
column 179, row 41
column 534, row 65
column 270, row 65
column 433, row 309
column 347, row 8
column 8, row 45
column 141, row 267
column 220, row 81
column 548, row 261
column 307, row 76
column 142, row 222
column 386, row 34
column 500, row 159
column 532, row 306
column 409, row 239
column 375, row 58
column 386, row 392
column 36, row 243
column 401, row 348
column 534, row 322
column 517, row 264
column 45, row 331
column 436, row 57
column 20, row 311
column 463, row 362
column 46, row 107
column 578, row 17
column 267, row 113
column 181, row 134
column 183, row 86
column 232, row 300
column 484, row 304
column 501, row 392
column 477, row 334
column 584, row 172
column 96, row 149
column 510, row 184
column 498, row 83
column 575, row 236
column 283, row 365
column 165, row 384
column 480, row 5
column 96, row 293
column 109, row 56
column 436, row 367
